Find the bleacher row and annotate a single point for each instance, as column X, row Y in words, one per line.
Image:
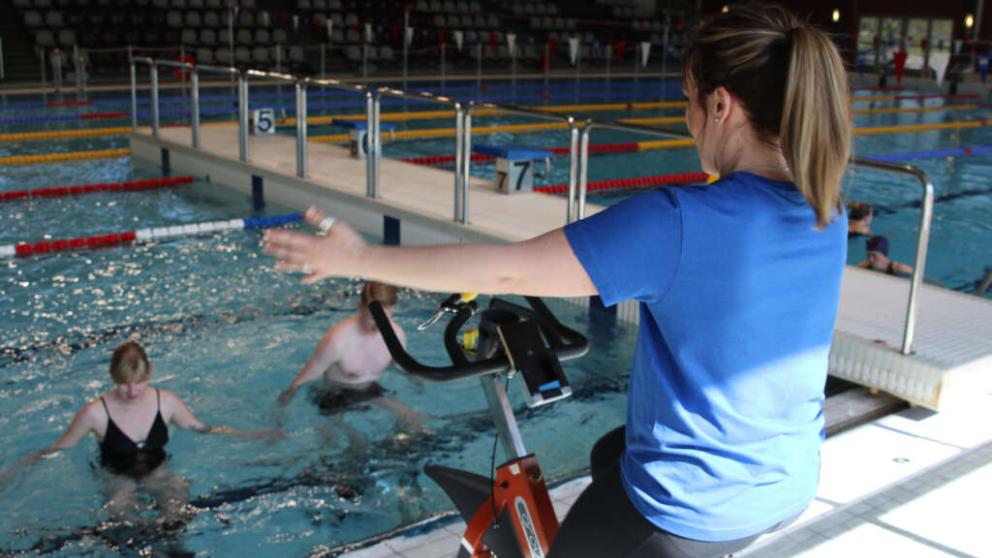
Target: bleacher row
column 350, row 29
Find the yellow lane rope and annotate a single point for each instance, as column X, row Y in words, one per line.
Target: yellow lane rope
column 487, row 130
column 60, row 157
column 64, row 134
column 902, row 110
column 920, row 127
column 438, row 114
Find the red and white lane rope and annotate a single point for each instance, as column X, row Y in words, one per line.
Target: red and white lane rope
column 42, row 247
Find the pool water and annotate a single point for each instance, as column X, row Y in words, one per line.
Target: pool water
column 227, row 333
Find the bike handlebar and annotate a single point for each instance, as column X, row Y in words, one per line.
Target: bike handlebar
column 565, row 342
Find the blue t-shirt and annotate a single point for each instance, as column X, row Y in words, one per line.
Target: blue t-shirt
column 738, row 295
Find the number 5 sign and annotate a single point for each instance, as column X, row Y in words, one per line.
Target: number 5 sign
column 264, row 121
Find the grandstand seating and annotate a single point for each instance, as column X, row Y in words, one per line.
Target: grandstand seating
column 204, row 29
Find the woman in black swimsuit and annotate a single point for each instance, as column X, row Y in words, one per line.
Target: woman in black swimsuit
column 131, row 423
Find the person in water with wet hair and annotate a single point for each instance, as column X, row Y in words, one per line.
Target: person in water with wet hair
column 131, row 422
column 725, row 408
column 878, row 258
column 351, row 356
column 859, row 217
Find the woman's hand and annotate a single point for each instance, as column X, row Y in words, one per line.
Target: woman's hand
column 333, row 253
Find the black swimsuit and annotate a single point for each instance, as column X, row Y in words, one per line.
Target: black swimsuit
column 339, row 398
column 124, row 456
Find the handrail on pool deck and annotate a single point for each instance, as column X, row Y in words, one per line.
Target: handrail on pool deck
column 578, row 150
column 584, row 152
column 922, row 238
column 374, row 152
column 573, row 150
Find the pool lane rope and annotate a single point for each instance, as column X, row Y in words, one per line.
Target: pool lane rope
column 42, row 247
column 62, row 157
column 636, row 182
column 80, row 189
column 440, row 114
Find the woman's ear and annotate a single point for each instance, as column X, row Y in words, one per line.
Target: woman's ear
column 721, row 102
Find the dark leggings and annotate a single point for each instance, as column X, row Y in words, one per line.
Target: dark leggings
column 604, row 524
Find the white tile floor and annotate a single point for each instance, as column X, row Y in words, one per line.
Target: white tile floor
column 912, row 484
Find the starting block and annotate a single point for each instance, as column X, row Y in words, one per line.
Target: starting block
column 515, row 166
column 358, row 135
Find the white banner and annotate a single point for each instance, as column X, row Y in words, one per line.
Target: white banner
column 957, row 46
column 459, row 39
column 296, row 23
column 409, row 35
column 511, row 43
column 368, row 32
column 645, row 52
column 329, row 24
column 938, row 61
column 573, row 48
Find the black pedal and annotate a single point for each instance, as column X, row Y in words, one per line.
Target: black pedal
column 541, row 369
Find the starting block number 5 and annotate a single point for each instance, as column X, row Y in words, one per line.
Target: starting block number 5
column 264, row 121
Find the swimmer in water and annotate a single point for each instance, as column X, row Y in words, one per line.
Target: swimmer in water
column 859, row 216
column 131, row 423
column 351, row 357
column 878, row 258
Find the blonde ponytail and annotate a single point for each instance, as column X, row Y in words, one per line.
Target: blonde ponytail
column 816, row 120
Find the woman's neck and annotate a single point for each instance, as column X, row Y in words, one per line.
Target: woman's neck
column 758, row 157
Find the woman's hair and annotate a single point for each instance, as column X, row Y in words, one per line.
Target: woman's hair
column 857, row 211
column 129, row 364
column 793, row 85
column 386, row 294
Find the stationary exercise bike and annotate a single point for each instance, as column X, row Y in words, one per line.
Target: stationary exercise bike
column 510, row 516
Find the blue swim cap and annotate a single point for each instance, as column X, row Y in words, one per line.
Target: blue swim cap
column 878, row 244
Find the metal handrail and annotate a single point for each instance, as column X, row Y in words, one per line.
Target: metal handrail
column 341, row 86
column 584, row 152
column 573, row 151
column 194, row 82
column 375, row 143
column 301, row 114
column 922, row 238
column 134, row 92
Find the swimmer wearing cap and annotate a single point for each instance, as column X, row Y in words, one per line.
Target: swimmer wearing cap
column 878, row 258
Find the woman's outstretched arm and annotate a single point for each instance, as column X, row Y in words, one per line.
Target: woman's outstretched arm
column 542, row 266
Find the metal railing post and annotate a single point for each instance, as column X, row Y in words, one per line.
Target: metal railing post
column 44, row 71
column 370, row 178
column 242, row 116
column 922, row 241
column 134, row 90
column 153, row 69
column 301, row 128
column 573, row 167
column 376, row 142
column 76, row 70
column 194, row 117
column 459, row 162
column 466, row 182
column 583, row 169
column 56, row 60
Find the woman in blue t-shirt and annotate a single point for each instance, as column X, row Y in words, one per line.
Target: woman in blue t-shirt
column 738, row 284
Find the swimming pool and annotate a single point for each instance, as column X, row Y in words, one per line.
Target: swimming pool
column 227, row 333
